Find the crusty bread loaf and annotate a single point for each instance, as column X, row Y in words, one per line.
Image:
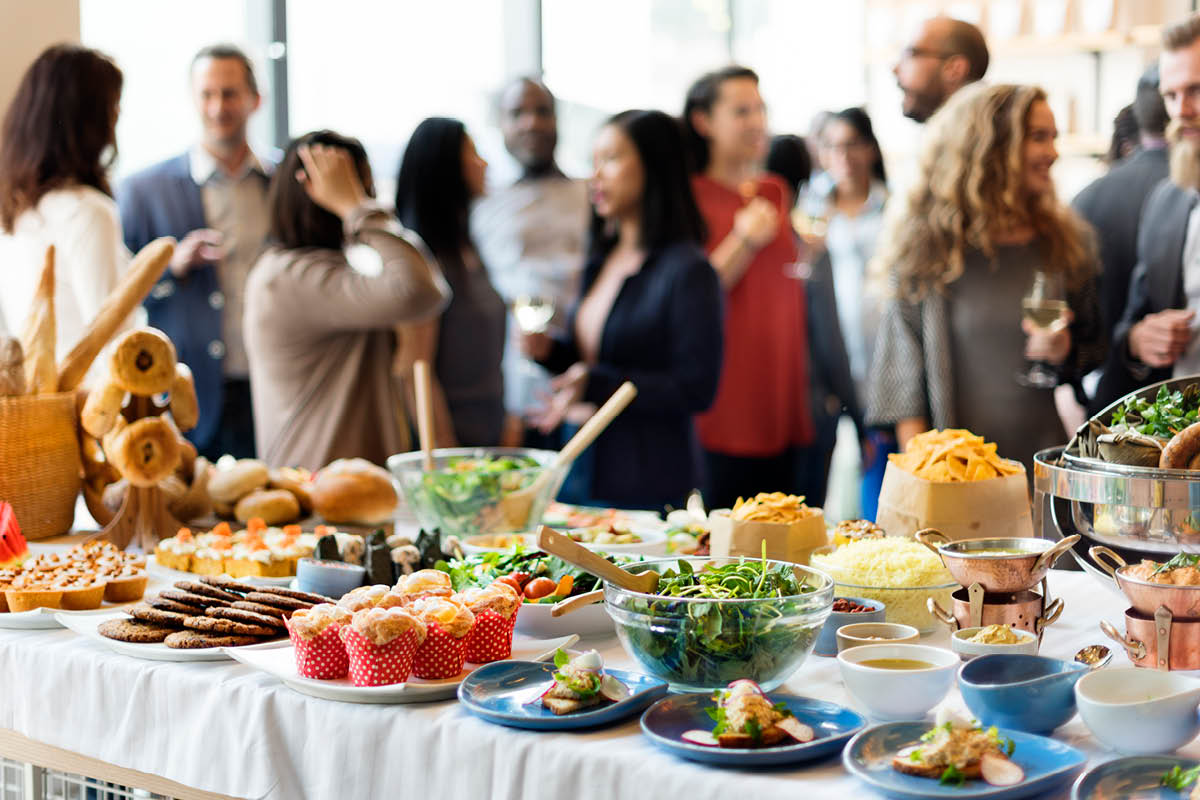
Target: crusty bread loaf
column 354, row 491
column 39, row 339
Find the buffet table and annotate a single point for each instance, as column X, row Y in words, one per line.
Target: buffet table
column 226, row 729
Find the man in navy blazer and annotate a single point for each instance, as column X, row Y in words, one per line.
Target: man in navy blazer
column 213, row 200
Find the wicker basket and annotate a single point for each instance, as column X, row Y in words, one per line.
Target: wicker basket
column 40, row 470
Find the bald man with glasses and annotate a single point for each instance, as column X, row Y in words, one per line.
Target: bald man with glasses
column 945, row 55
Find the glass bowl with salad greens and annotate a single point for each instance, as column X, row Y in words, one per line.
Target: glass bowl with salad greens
column 463, row 495
column 716, row 620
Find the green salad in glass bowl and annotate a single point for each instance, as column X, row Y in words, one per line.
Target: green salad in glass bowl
column 717, row 620
column 463, row 494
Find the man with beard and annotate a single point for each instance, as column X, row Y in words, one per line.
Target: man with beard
column 213, row 199
column 1156, row 339
column 531, row 237
column 945, row 55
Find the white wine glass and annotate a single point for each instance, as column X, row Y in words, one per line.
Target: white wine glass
column 533, row 312
column 811, row 229
column 1045, row 307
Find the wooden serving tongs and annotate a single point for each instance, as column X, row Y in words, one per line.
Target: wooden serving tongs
column 566, row 548
column 516, row 506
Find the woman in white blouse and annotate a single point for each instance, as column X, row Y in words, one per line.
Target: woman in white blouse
column 57, row 141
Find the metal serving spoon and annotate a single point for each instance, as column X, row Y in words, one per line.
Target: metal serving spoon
column 1094, row 656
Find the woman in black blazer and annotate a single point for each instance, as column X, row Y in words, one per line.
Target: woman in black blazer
column 649, row 312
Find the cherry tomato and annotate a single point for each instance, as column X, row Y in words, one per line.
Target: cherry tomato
column 539, row 587
column 509, row 580
column 521, row 578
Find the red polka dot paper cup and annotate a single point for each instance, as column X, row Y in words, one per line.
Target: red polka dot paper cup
column 440, row 656
column 323, row 656
column 379, row 665
column 491, row 638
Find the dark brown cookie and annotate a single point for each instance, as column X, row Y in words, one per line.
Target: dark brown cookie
column 259, row 608
column 227, row 627
column 288, row 604
column 187, row 598
column 173, row 605
column 204, row 590
column 196, row 640
column 228, row 584
column 247, row 617
column 131, row 630
column 282, row 591
column 148, row 613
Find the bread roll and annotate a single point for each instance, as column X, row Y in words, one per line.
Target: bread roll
column 143, row 362
column 274, row 506
column 145, row 451
column 102, row 408
column 222, row 510
column 184, row 406
column 296, row 481
column 353, row 490
column 227, row 486
column 39, row 341
column 12, row 367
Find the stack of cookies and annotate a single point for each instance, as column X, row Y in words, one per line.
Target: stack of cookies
column 214, row 611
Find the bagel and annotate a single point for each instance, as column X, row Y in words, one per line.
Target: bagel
column 227, row 486
column 145, row 451
column 1183, row 447
column 101, row 409
column 273, row 506
column 184, row 406
column 143, row 362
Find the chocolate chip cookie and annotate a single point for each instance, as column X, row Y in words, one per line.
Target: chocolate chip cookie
column 148, row 613
column 130, row 630
column 228, row 584
column 259, row 608
column 187, row 598
column 246, row 617
column 306, row 597
column 204, row 590
column 173, row 605
column 288, row 604
column 227, row 627
column 196, row 640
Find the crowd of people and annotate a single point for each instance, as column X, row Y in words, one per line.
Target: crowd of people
column 756, row 289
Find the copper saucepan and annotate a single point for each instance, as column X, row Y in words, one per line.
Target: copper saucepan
column 1026, row 610
column 976, row 560
column 1144, row 596
column 1147, row 636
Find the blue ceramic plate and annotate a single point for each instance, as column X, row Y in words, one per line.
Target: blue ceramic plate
column 1047, row 764
column 665, row 721
column 507, row 692
column 1131, row 778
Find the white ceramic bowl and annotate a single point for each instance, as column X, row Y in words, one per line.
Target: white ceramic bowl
column 897, row 694
column 968, row 650
column 1139, row 711
column 534, row 620
column 864, row 634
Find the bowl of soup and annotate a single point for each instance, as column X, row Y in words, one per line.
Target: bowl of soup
column 897, row 681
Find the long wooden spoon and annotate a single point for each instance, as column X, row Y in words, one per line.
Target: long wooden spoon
column 574, row 603
column 424, row 412
column 516, row 505
column 572, row 552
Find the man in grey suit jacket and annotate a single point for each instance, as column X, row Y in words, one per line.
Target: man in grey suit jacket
column 213, row 199
column 1113, row 205
column 1156, row 338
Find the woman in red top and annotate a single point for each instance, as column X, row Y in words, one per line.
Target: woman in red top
column 758, row 433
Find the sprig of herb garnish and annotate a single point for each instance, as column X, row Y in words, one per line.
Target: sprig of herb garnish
column 1170, row 412
column 952, row 775
column 717, row 715
column 1177, row 561
column 1179, row 779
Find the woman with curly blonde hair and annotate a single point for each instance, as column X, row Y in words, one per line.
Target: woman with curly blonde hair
column 963, row 248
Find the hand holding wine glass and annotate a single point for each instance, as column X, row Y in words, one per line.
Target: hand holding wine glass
column 1046, row 320
column 533, row 314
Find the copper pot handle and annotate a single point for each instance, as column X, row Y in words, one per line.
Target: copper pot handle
column 1135, row 649
column 1106, row 559
column 932, row 533
column 1052, row 612
column 1047, row 559
column 939, row 614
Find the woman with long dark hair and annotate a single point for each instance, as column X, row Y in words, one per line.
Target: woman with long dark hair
column 650, row 313
column 320, row 335
column 759, row 434
column 57, row 142
column 440, row 174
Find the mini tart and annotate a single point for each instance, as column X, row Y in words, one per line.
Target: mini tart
column 30, row 599
column 83, row 598
column 126, row 588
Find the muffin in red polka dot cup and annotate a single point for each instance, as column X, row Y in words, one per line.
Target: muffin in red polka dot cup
column 319, row 650
column 365, row 597
column 495, row 608
column 444, row 651
column 424, row 583
column 381, row 644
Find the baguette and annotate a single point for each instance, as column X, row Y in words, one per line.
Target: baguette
column 144, row 271
column 39, row 337
column 12, row 367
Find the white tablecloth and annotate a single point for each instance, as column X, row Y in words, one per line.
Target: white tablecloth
column 223, row 727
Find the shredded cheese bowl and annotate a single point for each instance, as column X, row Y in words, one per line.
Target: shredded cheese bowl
column 899, row 572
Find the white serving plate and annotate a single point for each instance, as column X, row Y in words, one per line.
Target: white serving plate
column 534, row 620
column 171, row 575
column 47, row 618
column 281, row 662
column 154, row 651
